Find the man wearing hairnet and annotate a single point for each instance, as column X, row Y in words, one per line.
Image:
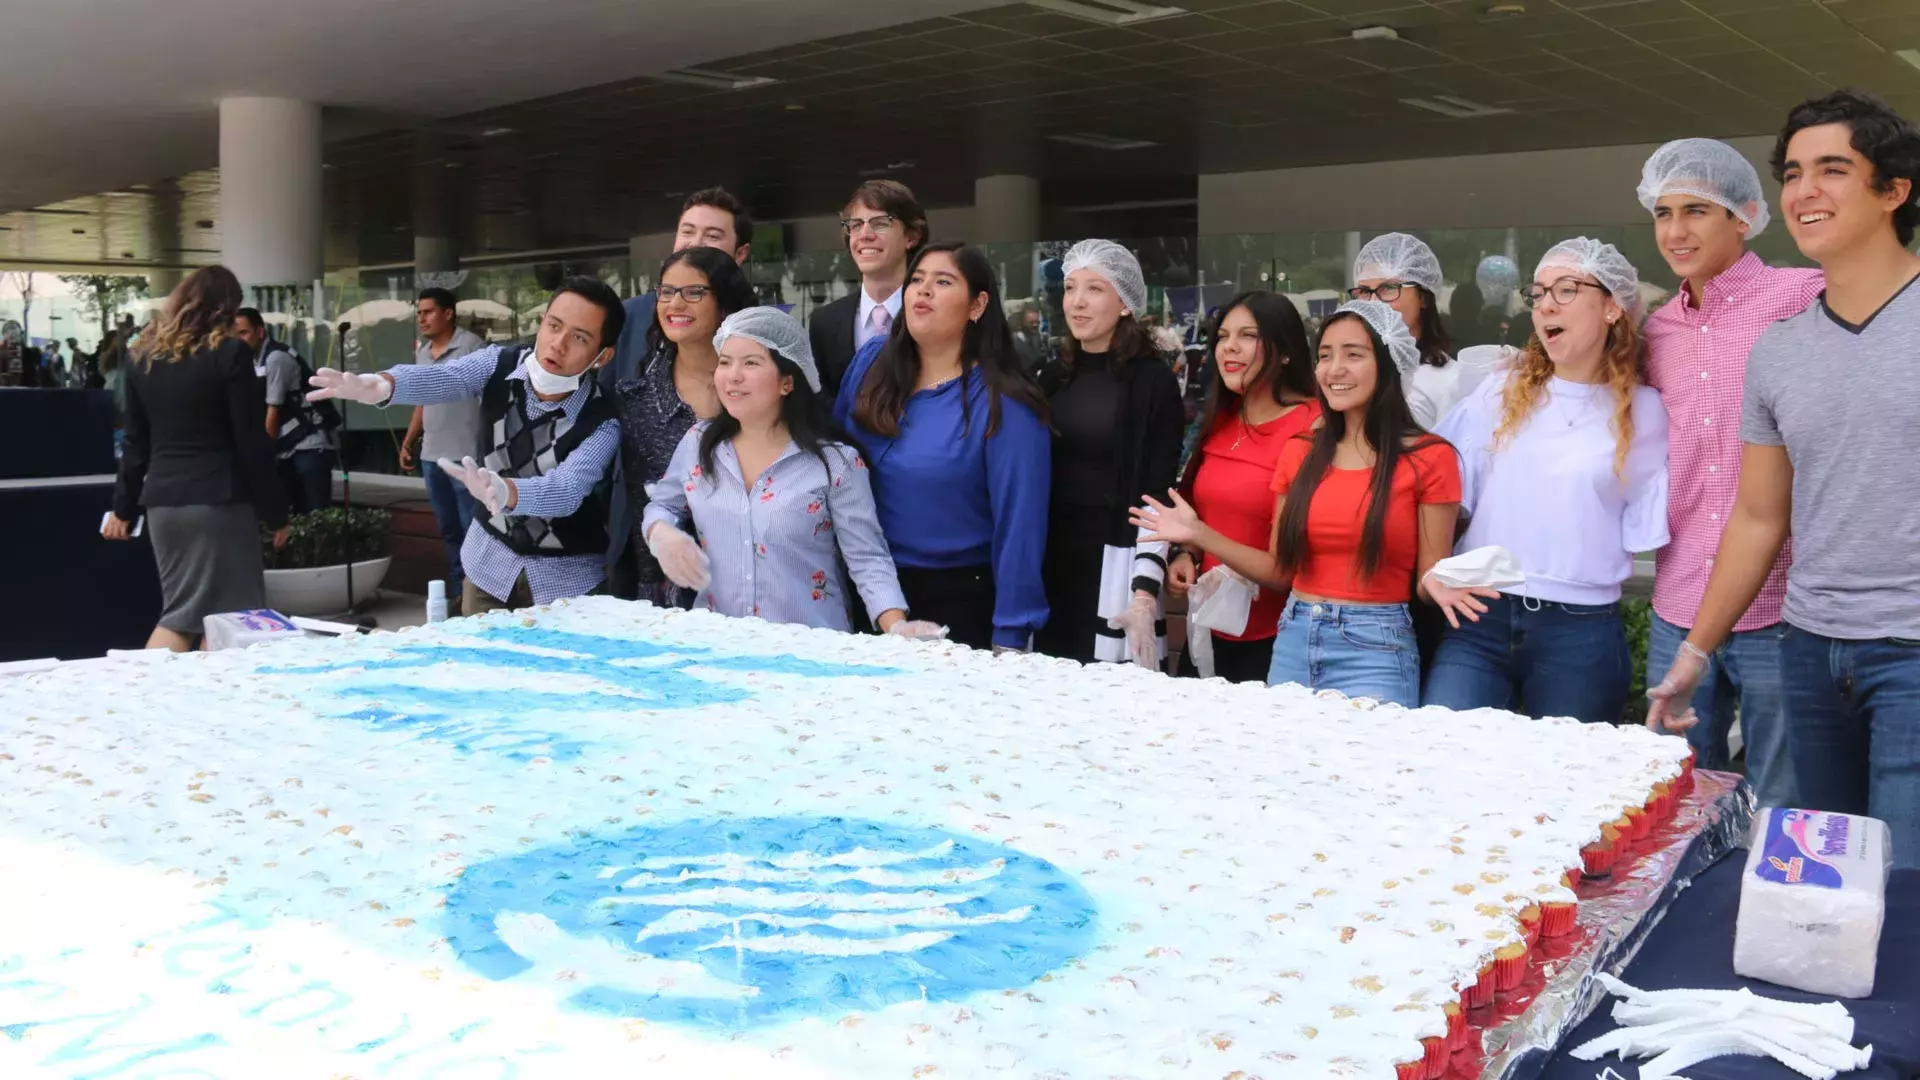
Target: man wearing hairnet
column 1706, row 201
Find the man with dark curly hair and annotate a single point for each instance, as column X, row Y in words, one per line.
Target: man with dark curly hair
column 1830, row 422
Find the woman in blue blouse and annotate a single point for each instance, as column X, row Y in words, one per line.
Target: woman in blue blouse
column 778, row 499
column 955, row 432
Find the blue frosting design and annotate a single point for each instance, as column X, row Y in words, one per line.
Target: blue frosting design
column 769, row 919
column 633, row 674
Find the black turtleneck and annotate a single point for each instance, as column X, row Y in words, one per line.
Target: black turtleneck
column 1085, row 412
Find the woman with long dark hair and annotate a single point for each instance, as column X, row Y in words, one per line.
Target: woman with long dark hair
column 1563, row 463
column 198, row 460
column 955, row 432
column 699, row 287
column 1262, row 395
column 1117, row 422
column 1402, row 272
column 1364, row 501
column 779, row 498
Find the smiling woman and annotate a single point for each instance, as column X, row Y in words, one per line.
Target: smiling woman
column 673, row 387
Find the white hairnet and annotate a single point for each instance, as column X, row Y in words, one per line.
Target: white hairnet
column 1116, row 264
column 1404, row 350
column 1708, row 169
column 1398, row 257
column 1604, row 262
column 1497, row 277
column 778, row 331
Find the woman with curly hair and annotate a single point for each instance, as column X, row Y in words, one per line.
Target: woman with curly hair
column 1563, row 463
column 197, row 458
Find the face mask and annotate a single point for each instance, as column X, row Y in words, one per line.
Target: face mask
column 546, row 382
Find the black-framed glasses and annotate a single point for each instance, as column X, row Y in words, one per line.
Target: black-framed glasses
column 881, row 224
column 1565, row 291
column 692, row 294
column 1386, row 292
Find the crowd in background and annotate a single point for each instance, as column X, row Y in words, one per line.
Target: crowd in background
column 1360, row 510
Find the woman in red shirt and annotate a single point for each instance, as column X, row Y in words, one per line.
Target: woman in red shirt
column 1373, row 500
column 1263, row 395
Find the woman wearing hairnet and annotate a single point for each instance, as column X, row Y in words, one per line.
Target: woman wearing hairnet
column 1366, row 506
column 1117, row 422
column 956, row 433
column 779, row 499
column 1402, row 272
column 1564, row 464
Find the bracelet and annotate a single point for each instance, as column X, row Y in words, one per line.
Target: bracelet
column 1690, row 647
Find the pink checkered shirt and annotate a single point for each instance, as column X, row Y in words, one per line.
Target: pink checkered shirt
column 1697, row 359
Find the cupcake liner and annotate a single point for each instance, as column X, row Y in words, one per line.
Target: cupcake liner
column 1530, row 925
column 1480, row 994
column 1598, row 859
column 1639, row 825
column 1556, row 920
column 1410, row 1070
column 1456, row 1025
column 1508, row 971
column 1573, row 878
column 1436, row 1059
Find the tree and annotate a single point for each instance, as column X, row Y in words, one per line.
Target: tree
column 101, row 295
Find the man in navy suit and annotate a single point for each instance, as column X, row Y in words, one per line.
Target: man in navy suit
column 884, row 226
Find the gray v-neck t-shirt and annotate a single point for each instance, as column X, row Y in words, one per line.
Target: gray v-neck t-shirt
column 1845, row 402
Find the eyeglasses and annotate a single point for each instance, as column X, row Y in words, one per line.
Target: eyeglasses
column 881, row 224
column 1565, row 291
column 1386, row 292
column 693, row 294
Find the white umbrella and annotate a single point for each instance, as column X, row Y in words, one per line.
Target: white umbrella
column 374, row 311
column 484, row 309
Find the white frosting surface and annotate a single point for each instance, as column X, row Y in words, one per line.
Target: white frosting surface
column 262, row 862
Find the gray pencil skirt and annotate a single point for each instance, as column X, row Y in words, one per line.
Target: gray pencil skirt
column 209, row 559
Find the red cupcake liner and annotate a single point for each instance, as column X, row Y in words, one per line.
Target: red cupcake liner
column 1598, row 858
column 1530, row 930
column 1480, row 994
column 1642, row 825
column 1574, row 878
column 1508, row 973
column 1457, row 1027
column 1436, row 1057
column 1556, row 919
column 1410, row 1070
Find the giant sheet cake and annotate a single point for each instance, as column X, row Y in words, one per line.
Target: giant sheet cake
column 603, row 839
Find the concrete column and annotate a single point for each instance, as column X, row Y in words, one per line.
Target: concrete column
column 1006, row 210
column 434, row 255
column 270, row 187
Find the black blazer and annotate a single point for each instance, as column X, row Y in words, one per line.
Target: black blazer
column 196, row 435
column 831, row 330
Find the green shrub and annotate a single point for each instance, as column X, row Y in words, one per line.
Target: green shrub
column 328, row 538
column 1637, row 615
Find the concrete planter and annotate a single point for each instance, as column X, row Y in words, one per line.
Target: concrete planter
column 321, row 590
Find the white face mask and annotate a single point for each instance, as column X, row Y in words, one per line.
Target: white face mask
column 546, row 382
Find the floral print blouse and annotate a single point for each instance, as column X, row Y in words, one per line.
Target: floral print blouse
column 778, row 549
column 653, row 420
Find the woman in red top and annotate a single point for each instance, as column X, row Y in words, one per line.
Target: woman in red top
column 1262, row 395
column 1373, row 500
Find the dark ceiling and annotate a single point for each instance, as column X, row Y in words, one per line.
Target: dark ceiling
column 1232, row 85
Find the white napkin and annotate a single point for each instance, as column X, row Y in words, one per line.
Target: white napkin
column 1678, row 1028
column 1219, row 600
column 1491, row 567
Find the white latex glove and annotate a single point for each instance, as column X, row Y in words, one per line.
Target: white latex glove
column 679, row 556
column 917, row 630
column 1490, row 567
column 487, row 486
column 1137, row 620
column 350, row 385
column 1670, row 704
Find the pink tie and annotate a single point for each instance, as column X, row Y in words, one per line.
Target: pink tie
column 881, row 321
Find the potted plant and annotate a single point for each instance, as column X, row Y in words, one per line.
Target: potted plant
column 309, row 575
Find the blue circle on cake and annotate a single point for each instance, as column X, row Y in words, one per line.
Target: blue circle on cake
column 731, row 923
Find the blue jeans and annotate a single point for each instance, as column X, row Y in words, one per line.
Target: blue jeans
column 1745, row 672
column 453, row 509
column 1361, row 650
column 1853, row 720
column 1536, row 657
